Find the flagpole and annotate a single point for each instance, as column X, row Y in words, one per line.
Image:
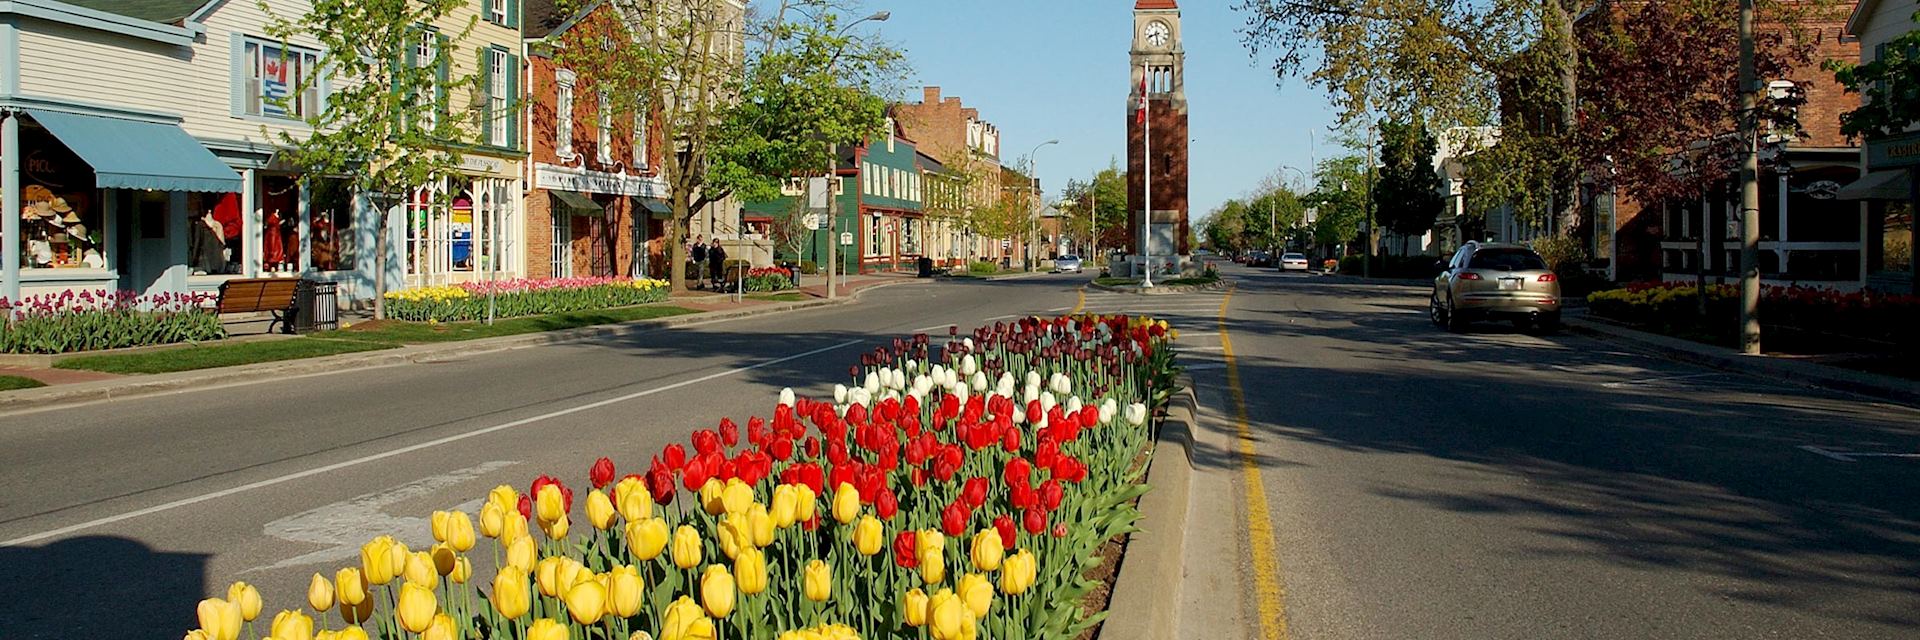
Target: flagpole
column 1146, row 166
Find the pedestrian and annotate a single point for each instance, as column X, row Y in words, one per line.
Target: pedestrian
column 717, row 260
column 699, row 254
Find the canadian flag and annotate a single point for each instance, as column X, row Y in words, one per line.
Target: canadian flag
column 1141, row 118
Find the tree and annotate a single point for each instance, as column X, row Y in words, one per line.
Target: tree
column 1889, row 86
column 386, row 126
column 1340, row 197
column 1100, row 206
column 735, row 118
column 1407, row 197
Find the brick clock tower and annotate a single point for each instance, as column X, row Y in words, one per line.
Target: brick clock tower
column 1158, row 60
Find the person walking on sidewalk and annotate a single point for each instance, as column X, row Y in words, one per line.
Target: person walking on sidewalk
column 699, row 254
column 717, row 260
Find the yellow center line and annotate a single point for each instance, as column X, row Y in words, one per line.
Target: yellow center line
column 1083, row 301
column 1271, row 597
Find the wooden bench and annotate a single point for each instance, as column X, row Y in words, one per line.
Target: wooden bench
column 252, row 295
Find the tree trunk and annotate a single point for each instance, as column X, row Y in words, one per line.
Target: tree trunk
column 380, row 267
column 677, row 253
column 1569, row 213
column 1749, row 188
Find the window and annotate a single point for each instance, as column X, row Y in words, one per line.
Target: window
column 213, row 233
column 1506, row 260
column 603, row 129
column 563, row 115
column 497, row 11
column 910, row 236
column 874, row 229
column 500, row 67
column 426, row 50
column 640, row 138
column 278, row 81
column 560, row 246
column 330, row 225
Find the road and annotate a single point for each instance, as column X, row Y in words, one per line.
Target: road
column 1417, row 483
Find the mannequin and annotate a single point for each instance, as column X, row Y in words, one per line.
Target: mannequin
column 271, row 246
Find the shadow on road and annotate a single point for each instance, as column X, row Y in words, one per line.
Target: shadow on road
column 97, row 587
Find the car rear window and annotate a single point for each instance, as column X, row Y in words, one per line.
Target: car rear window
column 1506, row 260
column 1292, row 256
column 1069, row 257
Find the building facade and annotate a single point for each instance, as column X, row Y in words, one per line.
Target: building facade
column 967, row 149
column 1888, row 189
column 1157, row 137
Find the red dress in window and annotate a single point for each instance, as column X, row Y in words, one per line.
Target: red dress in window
column 270, row 243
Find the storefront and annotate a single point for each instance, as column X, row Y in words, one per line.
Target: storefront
column 597, row 223
column 463, row 228
column 100, row 199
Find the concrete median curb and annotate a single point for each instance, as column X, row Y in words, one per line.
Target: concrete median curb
column 1162, row 289
column 1146, row 592
column 156, row 384
column 1811, row 374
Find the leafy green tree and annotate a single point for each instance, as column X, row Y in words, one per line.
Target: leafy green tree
column 1341, row 199
column 1889, row 86
column 1407, row 198
column 1100, row 206
column 386, row 126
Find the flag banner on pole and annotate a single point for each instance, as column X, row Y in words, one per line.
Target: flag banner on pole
column 1142, row 117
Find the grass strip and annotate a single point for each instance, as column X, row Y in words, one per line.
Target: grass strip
column 421, row 332
column 791, row 296
column 209, row 356
column 9, row 383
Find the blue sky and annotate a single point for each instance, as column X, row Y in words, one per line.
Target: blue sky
column 1046, row 69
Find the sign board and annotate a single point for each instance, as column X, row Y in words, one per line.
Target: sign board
column 481, row 165
column 813, row 221
column 817, row 194
column 1894, row 152
column 846, row 238
column 1006, row 244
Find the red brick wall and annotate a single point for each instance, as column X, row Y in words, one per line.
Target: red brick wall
column 1169, row 168
column 937, row 125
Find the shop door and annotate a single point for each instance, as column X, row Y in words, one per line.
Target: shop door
column 145, row 252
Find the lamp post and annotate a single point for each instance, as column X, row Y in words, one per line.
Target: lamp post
column 1033, row 167
column 1272, row 232
column 833, row 165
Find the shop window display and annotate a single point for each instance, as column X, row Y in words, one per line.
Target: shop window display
column 61, row 229
column 214, row 233
column 279, row 224
column 330, row 231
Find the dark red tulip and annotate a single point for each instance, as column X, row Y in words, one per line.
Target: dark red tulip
column 903, row 550
column 601, row 473
column 975, row 492
column 1004, row 525
column 1035, row 521
column 526, row 507
column 729, row 432
column 1051, row 493
column 953, row 519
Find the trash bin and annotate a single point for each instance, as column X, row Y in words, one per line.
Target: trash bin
column 316, row 306
column 793, row 273
column 926, row 267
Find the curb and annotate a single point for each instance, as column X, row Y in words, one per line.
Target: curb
column 1162, row 289
column 149, row 385
column 1146, row 591
column 1810, row 374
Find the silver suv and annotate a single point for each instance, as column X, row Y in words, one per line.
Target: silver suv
column 1486, row 280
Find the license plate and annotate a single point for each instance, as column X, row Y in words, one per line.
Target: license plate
column 1509, row 284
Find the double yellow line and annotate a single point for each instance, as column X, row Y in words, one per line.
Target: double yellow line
column 1270, row 596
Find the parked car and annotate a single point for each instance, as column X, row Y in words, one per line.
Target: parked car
column 1293, row 262
column 1259, row 259
column 1066, row 264
column 1495, row 281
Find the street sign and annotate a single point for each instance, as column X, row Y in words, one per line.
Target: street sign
column 817, row 194
column 1006, row 244
column 812, row 221
column 846, row 238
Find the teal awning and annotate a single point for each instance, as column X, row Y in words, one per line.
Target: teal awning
column 656, row 208
column 576, row 203
column 130, row 154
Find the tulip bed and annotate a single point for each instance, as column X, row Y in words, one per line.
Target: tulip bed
column 86, row 321
column 1813, row 318
column 949, row 491
column 521, row 297
column 769, row 279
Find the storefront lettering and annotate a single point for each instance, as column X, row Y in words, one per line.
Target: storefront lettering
column 42, row 170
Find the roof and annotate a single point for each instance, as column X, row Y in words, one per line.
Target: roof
column 540, row 18
column 1155, row 4
column 163, row 11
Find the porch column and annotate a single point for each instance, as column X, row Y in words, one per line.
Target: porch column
column 1780, row 244
column 250, row 228
column 10, row 204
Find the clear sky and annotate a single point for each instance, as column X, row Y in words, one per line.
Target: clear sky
column 1047, row 69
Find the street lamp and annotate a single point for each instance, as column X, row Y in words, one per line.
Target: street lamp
column 833, row 165
column 1033, row 167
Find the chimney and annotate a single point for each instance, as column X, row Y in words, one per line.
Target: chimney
column 930, row 95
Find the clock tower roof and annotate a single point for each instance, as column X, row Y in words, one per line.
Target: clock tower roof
column 1155, row 4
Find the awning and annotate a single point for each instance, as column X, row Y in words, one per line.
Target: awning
column 129, row 154
column 1879, row 185
column 659, row 208
column 576, row 203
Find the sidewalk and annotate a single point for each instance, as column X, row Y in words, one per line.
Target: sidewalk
column 1802, row 371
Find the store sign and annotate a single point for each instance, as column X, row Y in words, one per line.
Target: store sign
column 556, row 177
column 482, row 165
column 1821, row 189
column 1894, row 152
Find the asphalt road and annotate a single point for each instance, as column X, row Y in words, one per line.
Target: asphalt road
column 1502, row 485
column 117, row 518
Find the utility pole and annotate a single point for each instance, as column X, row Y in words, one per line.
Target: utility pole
column 1749, row 189
column 833, row 219
column 1366, row 264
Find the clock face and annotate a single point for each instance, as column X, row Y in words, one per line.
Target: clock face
column 1157, row 33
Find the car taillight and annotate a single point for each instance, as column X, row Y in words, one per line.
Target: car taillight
column 1469, row 275
column 1549, row 278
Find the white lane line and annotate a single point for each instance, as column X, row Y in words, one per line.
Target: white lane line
column 1623, row 383
column 1825, row 453
column 405, row 450
column 924, row 329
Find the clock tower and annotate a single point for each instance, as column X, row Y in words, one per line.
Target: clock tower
column 1159, row 163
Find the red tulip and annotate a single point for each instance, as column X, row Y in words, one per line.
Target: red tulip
column 526, row 507
column 903, row 550
column 943, row 470
column 1033, row 412
column 601, row 473
column 705, row 441
column 1060, row 530
column 1017, row 473
column 660, row 484
column 842, row 472
column 1004, row 525
column 813, row 447
column 1051, row 493
column 675, row 455
column 1010, row 440
column 756, row 430
column 781, row 448
column 885, row 504
column 1022, row 496
column 1035, row 521
column 696, row 473
column 953, row 519
column 975, row 492
column 729, row 432
column 919, row 477
column 857, row 414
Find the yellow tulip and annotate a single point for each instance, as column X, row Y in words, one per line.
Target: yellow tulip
column 913, row 608
column 556, row 529
column 550, row 505
column 1018, row 572
column 600, row 512
column 547, row 576
column 319, row 594
column 946, row 613
column 977, row 592
column 462, row 570
column 220, row 619
column 645, row 538
column 760, row 525
column 587, row 602
column 804, row 503
column 686, row 547
column 816, row 581
column 785, row 506
column 717, row 591
column 750, row 570
column 930, row 547
column 869, row 537
column 416, row 607
column 438, row 525
column 441, row 628
column 712, row 497
column 505, row 496
column 352, row 586
column 547, row 629
column 247, row 598
column 420, row 570
column 633, row 500
column 459, row 531
column 625, row 591
column 511, row 596
column 685, row 621
column 846, row 503
column 292, row 625
column 736, row 497
column 351, row 633
column 988, row 550
column 196, row 634
column 493, row 519
column 381, row 559
column 520, row 553
column 513, row 526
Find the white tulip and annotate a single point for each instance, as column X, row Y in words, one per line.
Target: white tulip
column 1136, row 414
column 1073, row 404
column 913, row 365
column 979, row 382
column 786, row 396
column 1107, row 410
column 872, row 384
column 922, row 384
column 1032, row 394
column 960, row 393
column 968, row 365
column 839, row 394
column 1047, row 401
column 968, row 342
column 1033, row 378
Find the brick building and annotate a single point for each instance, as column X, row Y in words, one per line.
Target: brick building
column 1158, row 82
column 967, row 148
column 596, row 193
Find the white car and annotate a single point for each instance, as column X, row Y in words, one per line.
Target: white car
column 1293, row 262
column 1064, row 264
